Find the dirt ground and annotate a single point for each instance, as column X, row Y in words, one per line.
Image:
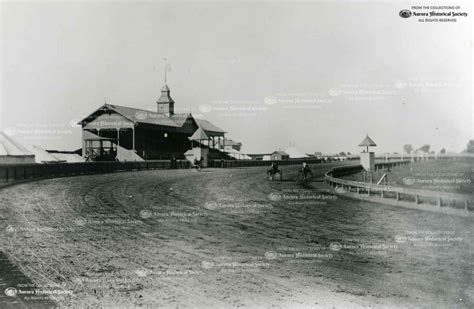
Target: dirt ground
column 224, row 238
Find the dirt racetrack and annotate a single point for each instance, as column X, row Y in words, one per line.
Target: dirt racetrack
column 229, row 238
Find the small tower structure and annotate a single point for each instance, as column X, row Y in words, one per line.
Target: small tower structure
column 367, row 158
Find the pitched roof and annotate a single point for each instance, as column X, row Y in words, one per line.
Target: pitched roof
column 207, row 126
column 89, row 136
column 180, row 119
column 145, row 116
column 367, row 141
column 199, row 135
column 9, row 147
column 280, row 152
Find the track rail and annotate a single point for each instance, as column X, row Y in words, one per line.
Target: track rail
column 416, row 195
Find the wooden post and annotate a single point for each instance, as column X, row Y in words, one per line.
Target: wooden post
column 416, row 198
column 133, row 137
column 466, row 205
column 381, row 193
column 439, row 201
column 397, row 196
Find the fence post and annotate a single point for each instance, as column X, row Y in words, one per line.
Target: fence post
column 439, row 201
column 416, row 198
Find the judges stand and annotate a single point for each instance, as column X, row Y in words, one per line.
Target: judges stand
column 367, row 159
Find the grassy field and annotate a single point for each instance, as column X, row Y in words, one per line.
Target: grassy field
column 227, row 238
column 447, row 175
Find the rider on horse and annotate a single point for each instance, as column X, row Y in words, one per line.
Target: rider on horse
column 274, row 168
column 306, row 170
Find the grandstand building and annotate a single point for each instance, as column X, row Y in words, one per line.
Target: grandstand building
column 147, row 134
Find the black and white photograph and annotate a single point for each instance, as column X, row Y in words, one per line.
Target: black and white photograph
column 236, row 154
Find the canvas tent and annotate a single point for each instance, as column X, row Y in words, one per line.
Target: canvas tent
column 238, row 155
column 42, row 156
column 45, row 156
column 12, row 152
column 295, row 153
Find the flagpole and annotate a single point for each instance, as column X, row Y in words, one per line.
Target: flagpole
column 165, row 70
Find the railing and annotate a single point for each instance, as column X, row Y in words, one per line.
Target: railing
column 246, row 163
column 440, row 199
column 16, row 172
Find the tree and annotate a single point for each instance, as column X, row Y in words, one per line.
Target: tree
column 470, row 146
column 408, row 148
column 342, row 154
column 425, row 148
column 442, row 151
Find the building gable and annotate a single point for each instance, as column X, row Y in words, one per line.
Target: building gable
column 110, row 121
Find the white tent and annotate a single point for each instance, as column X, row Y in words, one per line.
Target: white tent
column 43, row 156
column 295, row 153
column 238, row 155
column 12, row 152
column 69, row 157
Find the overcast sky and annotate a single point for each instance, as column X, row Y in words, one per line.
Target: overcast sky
column 318, row 75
